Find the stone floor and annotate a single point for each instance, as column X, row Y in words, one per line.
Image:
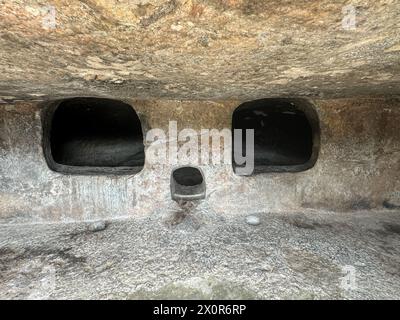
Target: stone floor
column 198, row 254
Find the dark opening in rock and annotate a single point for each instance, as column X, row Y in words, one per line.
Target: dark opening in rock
column 187, row 184
column 286, row 134
column 188, row 176
column 89, row 135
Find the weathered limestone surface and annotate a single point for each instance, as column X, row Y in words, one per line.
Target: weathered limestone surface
column 205, row 256
column 197, row 49
column 358, row 167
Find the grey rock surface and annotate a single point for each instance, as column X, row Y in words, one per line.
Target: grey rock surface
column 205, row 255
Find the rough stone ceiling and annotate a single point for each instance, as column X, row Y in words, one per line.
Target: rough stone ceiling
column 198, row 49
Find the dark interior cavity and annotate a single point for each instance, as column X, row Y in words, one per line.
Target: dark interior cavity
column 188, row 176
column 286, row 134
column 95, row 133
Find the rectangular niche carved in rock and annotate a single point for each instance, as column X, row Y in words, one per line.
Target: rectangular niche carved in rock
column 286, row 134
column 93, row 136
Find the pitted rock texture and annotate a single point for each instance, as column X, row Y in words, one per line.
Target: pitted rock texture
column 206, row 255
column 197, row 49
